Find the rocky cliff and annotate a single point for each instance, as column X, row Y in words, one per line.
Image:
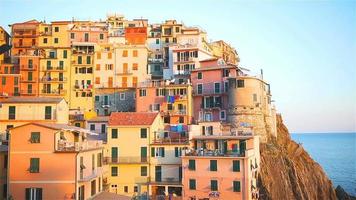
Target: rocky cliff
column 288, row 172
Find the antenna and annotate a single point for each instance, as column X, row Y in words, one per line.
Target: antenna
column 262, row 74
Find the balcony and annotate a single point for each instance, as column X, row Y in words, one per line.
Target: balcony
column 182, row 72
column 185, row 60
column 53, row 80
column 124, row 72
column 183, row 140
column 53, row 92
column 155, row 60
column 83, row 87
column 216, row 153
column 97, row 172
column 29, row 33
column 54, row 69
column 28, row 92
column 24, row 45
column 126, row 160
column 27, row 80
column 28, row 67
column 174, row 112
column 68, row 146
column 210, row 89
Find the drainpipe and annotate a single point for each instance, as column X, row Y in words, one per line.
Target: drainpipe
column 76, row 175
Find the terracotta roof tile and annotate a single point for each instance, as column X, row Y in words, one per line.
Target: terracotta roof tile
column 131, row 118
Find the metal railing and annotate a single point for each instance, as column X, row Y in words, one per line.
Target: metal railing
column 125, row 160
column 68, row 146
column 183, row 140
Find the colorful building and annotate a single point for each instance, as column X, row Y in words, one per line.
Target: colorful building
column 15, row 111
column 3, row 170
column 225, row 51
column 222, row 163
column 54, row 161
column 128, row 151
column 10, row 80
column 4, row 46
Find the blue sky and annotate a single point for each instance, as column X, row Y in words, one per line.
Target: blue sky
column 307, row 49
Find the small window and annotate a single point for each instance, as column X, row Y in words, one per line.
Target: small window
column 222, row 115
column 237, row 186
column 122, row 96
column 101, row 36
column 143, row 170
column 157, row 41
column 200, row 89
column 97, row 98
column 216, row 88
column 35, row 137
column 45, row 40
column 214, row 185
column 142, row 92
column 72, row 35
column 48, row 112
column 65, row 53
column 126, row 189
column 124, row 53
column 192, row 184
column 213, row 165
column 114, row 133
column 235, row 165
column 135, row 53
column 240, row 83
column 254, row 97
column 12, row 112
column 56, row 29
column 200, row 75
column 56, row 40
column 114, row 171
column 143, row 132
column 191, row 165
column 92, row 127
column 34, row 165
column 135, row 189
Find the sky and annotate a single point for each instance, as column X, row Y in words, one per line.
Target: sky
column 307, row 49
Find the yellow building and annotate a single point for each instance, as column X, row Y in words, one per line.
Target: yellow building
column 4, row 40
column 55, row 60
column 225, row 51
column 15, row 111
column 128, row 150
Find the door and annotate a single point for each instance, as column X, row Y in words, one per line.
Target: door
column 158, row 173
column 114, row 154
column 143, row 154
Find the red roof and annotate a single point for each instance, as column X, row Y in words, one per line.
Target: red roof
column 131, row 118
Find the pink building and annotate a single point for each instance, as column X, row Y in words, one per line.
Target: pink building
column 86, row 31
column 54, row 161
column 210, row 85
column 222, row 163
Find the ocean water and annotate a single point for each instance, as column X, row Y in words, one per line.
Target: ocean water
column 336, row 153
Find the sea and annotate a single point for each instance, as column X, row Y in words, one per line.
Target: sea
column 336, row 153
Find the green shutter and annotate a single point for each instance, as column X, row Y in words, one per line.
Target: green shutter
column 143, row 133
column 237, row 186
column 114, row 133
column 79, row 59
column 12, row 112
column 192, row 184
column 48, row 112
column 213, row 165
column 88, row 59
column 162, row 151
column 143, row 171
column 153, row 152
column 191, row 164
column 35, row 137
column 214, row 185
column 236, row 165
column 114, row 171
column 176, row 151
column 34, row 165
column 64, row 53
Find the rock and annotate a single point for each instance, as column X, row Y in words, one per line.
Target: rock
column 288, row 172
column 342, row 195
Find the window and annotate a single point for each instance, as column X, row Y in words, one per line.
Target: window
column 56, row 29
column 254, row 97
column 134, row 66
column 160, row 152
column 98, row 55
column 240, row 83
column 45, row 40
column 29, row 88
column 200, row 75
column 222, row 115
column 48, row 112
column 93, row 187
column 235, row 165
column 181, row 119
column 92, row 127
column 126, row 189
column 88, row 60
column 134, row 53
column 35, row 137
column 214, row 185
column 12, row 112
column 169, row 106
column 192, row 184
column 34, row 165
column 177, row 151
column 191, row 165
column 177, row 29
column 65, row 53
column 216, row 88
column 16, row 80
column 80, row 60
column 124, row 53
column 56, row 40
column 109, row 55
column 97, row 80
column 114, row 133
column 4, row 189
column 237, row 186
column 143, row 132
column 225, row 72
column 3, row 81
column 86, row 37
column 29, row 76
column 135, row 189
column 143, row 170
column 226, row 86
column 33, row 193
column 122, row 96
column 114, row 171
column 200, row 89
column 157, row 41
column 72, row 35
column 213, row 165
column 100, row 160
column 101, row 36
column 97, row 98
column 142, row 92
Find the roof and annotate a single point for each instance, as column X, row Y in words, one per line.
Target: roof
column 131, row 118
column 31, row 100
column 209, row 59
column 57, row 127
column 214, row 68
column 99, row 119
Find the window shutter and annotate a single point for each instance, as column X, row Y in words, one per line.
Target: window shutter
column 236, row 165
column 162, row 151
column 152, row 152
column 39, row 193
column 28, row 193
column 176, row 151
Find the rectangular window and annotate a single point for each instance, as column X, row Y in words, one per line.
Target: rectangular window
column 109, row 55
column 192, row 184
column 200, row 75
column 114, row 134
column 237, row 186
column 142, row 92
column 235, row 165
column 222, row 115
column 100, row 160
column 216, row 88
column 35, row 137
column 97, row 98
column 48, row 112
column 134, row 66
column 213, row 165
column 45, row 40
column 126, row 189
column 124, row 53
column 34, row 165
column 143, row 170
column 72, row 35
column 191, row 165
column 214, row 185
column 135, row 53
column 3, row 81
column 240, row 83
column 157, row 41
column 93, row 187
column 200, row 88
column 122, row 96
column 80, row 60
column 65, row 54
column 92, row 127
column 114, row 171
column 12, row 112
column 254, row 97
column 56, row 29
column 143, row 132
column 88, row 60
column 101, row 36
column 33, row 193
column 56, row 40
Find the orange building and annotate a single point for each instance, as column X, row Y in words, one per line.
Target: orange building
column 54, row 161
column 136, row 35
column 9, row 78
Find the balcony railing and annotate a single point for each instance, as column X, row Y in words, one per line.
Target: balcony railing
column 24, row 45
column 184, row 140
column 97, row 172
column 27, row 80
column 28, row 92
column 182, row 72
column 53, row 92
column 124, row 72
column 49, row 79
column 214, row 153
column 210, row 89
column 125, row 160
column 68, row 146
column 28, row 67
column 155, row 60
column 50, row 68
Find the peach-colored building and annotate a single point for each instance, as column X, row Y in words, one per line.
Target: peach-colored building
column 10, row 80
column 222, row 163
column 54, row 161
